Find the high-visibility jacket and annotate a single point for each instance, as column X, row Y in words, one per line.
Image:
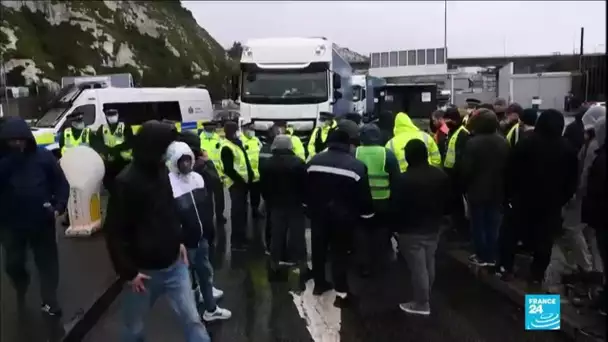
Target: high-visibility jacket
column 296, row 142
column 240, row 161
column 45, row 138
column 404, row 131
column 374, row 157
column 252, row 146
column 450, row 155
column 513, row 135
column 213, row 145
column 318, row 138
column 70, row 141
column 114, row 139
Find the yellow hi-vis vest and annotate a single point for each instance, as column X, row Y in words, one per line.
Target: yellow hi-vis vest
column 398, row 143
column 374, row 157
column 253, row 146
column 450, row 156
column 47, row 138
column 319, row 132
column 240, row 163
column 69, row 140
column 513, row 135
column 213, row 146
column 114, row 139
column 296, row 142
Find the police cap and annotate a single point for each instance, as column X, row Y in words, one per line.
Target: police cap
column 326, row 115
column 110, row 111
column 211, row 123
column 472, row 102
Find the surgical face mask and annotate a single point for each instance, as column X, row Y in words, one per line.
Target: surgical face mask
column 184, row 165
column 112, row 119
column 208, row 134
column 249, row 133
column 78, row 124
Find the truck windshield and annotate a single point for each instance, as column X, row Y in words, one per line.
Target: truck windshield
column 284, row 87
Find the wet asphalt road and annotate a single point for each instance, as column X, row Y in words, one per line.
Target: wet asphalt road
column 463, row 309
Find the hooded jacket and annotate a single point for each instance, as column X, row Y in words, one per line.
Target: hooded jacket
column 543, row 168
column 484, row 162
column 404, row 128
column 421, row 213
column 595, row 199
column 190, row 194
column 32, row 185
column 142, row 225
column 575, row 131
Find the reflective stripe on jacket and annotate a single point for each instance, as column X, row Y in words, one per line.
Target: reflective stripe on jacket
column 114, row 139
column 240, row 162
column 69, row 140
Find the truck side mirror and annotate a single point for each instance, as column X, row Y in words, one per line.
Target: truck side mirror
column 336, row 96
column 337, row 81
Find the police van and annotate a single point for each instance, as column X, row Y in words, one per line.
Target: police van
column 187, row 107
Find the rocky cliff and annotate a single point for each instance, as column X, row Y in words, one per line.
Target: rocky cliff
column 158, row 42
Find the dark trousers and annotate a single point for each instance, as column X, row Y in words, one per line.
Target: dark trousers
column 288, row 234
column 254, row 197
column 485, row 225
column 268, row 228
column 42, row 242
column 373, row 244
column 457, row 213
column 328, row 236
column 238, row 213
column 543, row 231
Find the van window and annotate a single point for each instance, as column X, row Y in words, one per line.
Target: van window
column 136, row 113
column 88, row 112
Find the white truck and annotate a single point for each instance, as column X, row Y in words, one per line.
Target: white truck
column 363, row 93
column 293, row 79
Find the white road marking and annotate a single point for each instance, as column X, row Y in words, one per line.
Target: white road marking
column 323, row 319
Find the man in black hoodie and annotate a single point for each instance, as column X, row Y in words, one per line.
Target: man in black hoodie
column 542, row 177
column 239, row 174
column 483, row 166
column 420, row 204
column 144, row 237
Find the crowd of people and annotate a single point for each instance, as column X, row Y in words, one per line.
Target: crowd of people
column 505, row 176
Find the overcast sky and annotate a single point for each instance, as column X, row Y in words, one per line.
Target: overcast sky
column 475, row 28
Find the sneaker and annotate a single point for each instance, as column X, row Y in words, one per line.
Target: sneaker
column 217, row 293
column 50, row 310
column 218, row 314
column 415, row 309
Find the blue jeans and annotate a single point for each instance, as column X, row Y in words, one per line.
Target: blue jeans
column 199, row 261
column 485, row 224
column 173, row 281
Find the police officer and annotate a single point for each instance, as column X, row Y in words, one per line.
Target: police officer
column 404, row 131
column 75, row 135
column 524, row 126
column 114, row 146
column 212, row 143
column 252, row 146
column 382, row 168
column 318, row 138
column 471, row 104
column 239, row 174
column 298, row 147
column 339, row 194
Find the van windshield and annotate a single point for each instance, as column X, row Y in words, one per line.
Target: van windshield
column 50, row 118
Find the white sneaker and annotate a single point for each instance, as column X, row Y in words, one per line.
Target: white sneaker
column 412, row 308
column 219, row 313
column 217, row 293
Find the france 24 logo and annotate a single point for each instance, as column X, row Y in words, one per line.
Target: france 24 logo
column 542, row 312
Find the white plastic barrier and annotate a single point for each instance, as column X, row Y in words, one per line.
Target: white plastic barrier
column 84, row 170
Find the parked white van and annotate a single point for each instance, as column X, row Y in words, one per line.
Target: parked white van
column 185, row 106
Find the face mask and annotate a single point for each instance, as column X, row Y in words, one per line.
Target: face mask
column 78, row 124
column 237, row 135
column 208, row 134
column 184, row 166
column 249, row 133
column 112, row 119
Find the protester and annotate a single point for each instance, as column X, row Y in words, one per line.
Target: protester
column 500, row 108
column 144, row 237
column 338, row 200
column 277, row 128
column 239, row 174
column 190, row 193
column 513, row 115
column 575, row 131
column 33, row 192
column 283, row 184
column 440, row 131
column 524, row 127
column 542, row 177
column 420, row 204
column 383, row 167
column 483, row 166
column 386, row 123
column 404, row 131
